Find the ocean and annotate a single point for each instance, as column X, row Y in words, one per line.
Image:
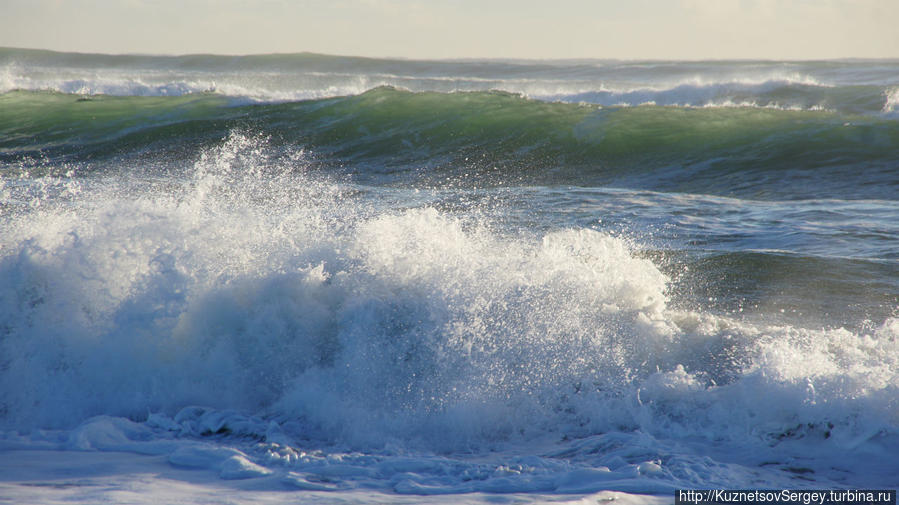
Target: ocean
column 326, row 279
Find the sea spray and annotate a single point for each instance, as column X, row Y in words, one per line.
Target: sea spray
column 258, row 288
column 440, row 287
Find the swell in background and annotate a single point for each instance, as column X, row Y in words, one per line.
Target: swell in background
column 456, row 271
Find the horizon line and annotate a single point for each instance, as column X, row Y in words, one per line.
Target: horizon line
column 448, row 59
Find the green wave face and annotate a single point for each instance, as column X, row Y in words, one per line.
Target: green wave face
column 487, row 137
column 72, row 125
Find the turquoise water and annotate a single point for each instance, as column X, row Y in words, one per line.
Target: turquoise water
column 630, row 276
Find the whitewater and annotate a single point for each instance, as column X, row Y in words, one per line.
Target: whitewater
column 319, row 279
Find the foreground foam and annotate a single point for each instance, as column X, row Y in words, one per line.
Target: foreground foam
column 258, row 288
column 259, row 321
column 417, row 295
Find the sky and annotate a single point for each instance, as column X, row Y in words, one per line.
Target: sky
column 626, row 29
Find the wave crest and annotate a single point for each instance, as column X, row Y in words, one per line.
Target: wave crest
column 258, row 287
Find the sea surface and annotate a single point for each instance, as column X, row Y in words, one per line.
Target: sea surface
column 328, row 279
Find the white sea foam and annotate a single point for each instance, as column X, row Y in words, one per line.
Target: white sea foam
column 287, row 87
column 891, row 102
column 611, row 85
column 296, row 311
column 771, row 93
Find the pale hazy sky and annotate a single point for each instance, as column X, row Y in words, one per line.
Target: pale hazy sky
column 663, row 29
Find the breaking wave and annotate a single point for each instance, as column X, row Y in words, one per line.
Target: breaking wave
column 256, row 287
